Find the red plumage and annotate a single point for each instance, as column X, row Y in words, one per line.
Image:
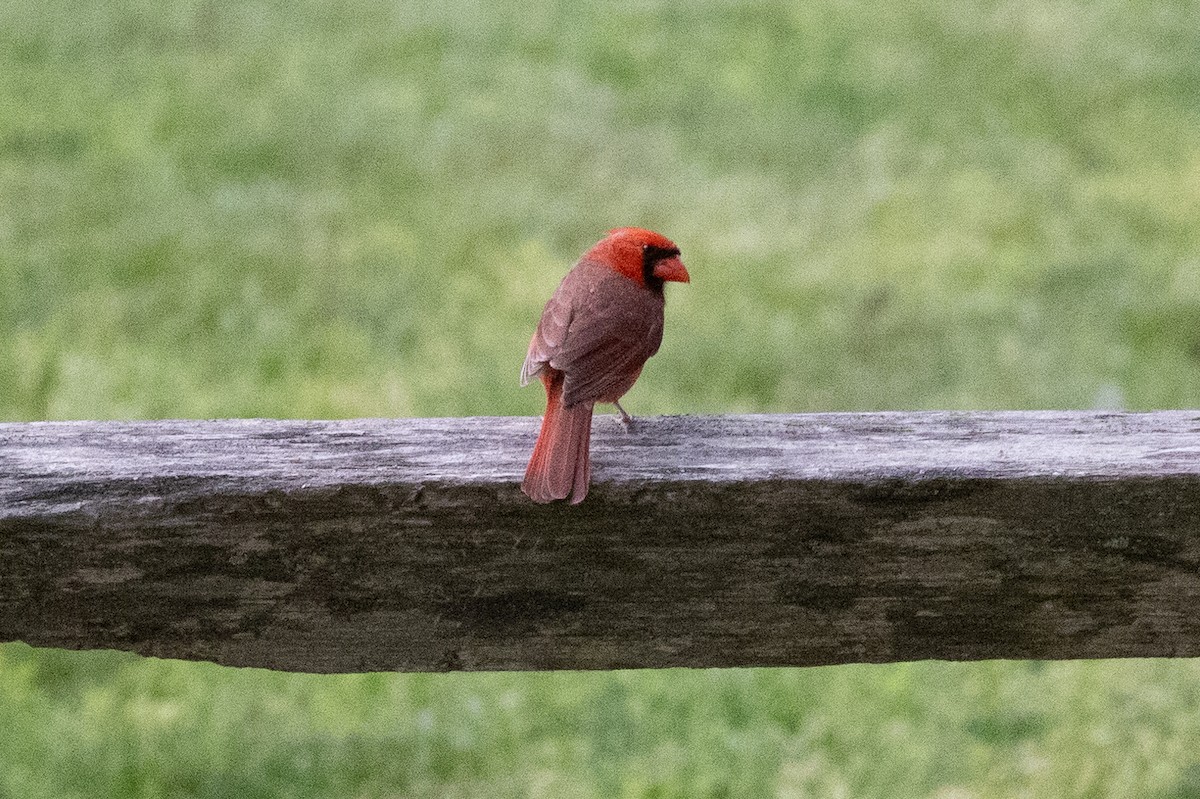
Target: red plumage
column 599, row 327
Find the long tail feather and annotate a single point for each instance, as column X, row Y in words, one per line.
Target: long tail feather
column 560, row 466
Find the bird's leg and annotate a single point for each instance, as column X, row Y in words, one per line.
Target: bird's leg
column 626, row 419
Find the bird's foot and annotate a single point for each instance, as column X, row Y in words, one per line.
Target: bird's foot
column 626, row 419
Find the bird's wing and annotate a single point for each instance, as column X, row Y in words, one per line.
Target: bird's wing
column 615, row 326
column 548, row 337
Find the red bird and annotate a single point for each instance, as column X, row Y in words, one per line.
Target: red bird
column 599, row 327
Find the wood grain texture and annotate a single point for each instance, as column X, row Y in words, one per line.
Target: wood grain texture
column 406, row 544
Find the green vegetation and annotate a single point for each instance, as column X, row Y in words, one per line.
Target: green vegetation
column 317, row 210
column 114, row 725
column 357, row 209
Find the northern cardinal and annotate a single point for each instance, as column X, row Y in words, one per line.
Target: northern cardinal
column 599, row 327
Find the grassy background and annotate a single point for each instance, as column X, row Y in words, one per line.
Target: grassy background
column 357, row 209
column 106, row 724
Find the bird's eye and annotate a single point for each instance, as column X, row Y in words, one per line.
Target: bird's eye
column 645, row 247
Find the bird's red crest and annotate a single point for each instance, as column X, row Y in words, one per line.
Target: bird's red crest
column 640, row 236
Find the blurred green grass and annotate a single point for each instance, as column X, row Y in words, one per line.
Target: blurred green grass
column 108, row 724
column 312, row 210
column 308, row 211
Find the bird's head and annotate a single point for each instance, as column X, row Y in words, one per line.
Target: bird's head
column 646, row 257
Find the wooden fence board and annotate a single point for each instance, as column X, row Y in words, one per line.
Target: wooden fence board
column 368, row 545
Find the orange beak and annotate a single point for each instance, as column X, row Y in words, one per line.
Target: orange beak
column 672, row 269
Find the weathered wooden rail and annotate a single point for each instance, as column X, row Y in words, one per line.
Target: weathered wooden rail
column 749, row 540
